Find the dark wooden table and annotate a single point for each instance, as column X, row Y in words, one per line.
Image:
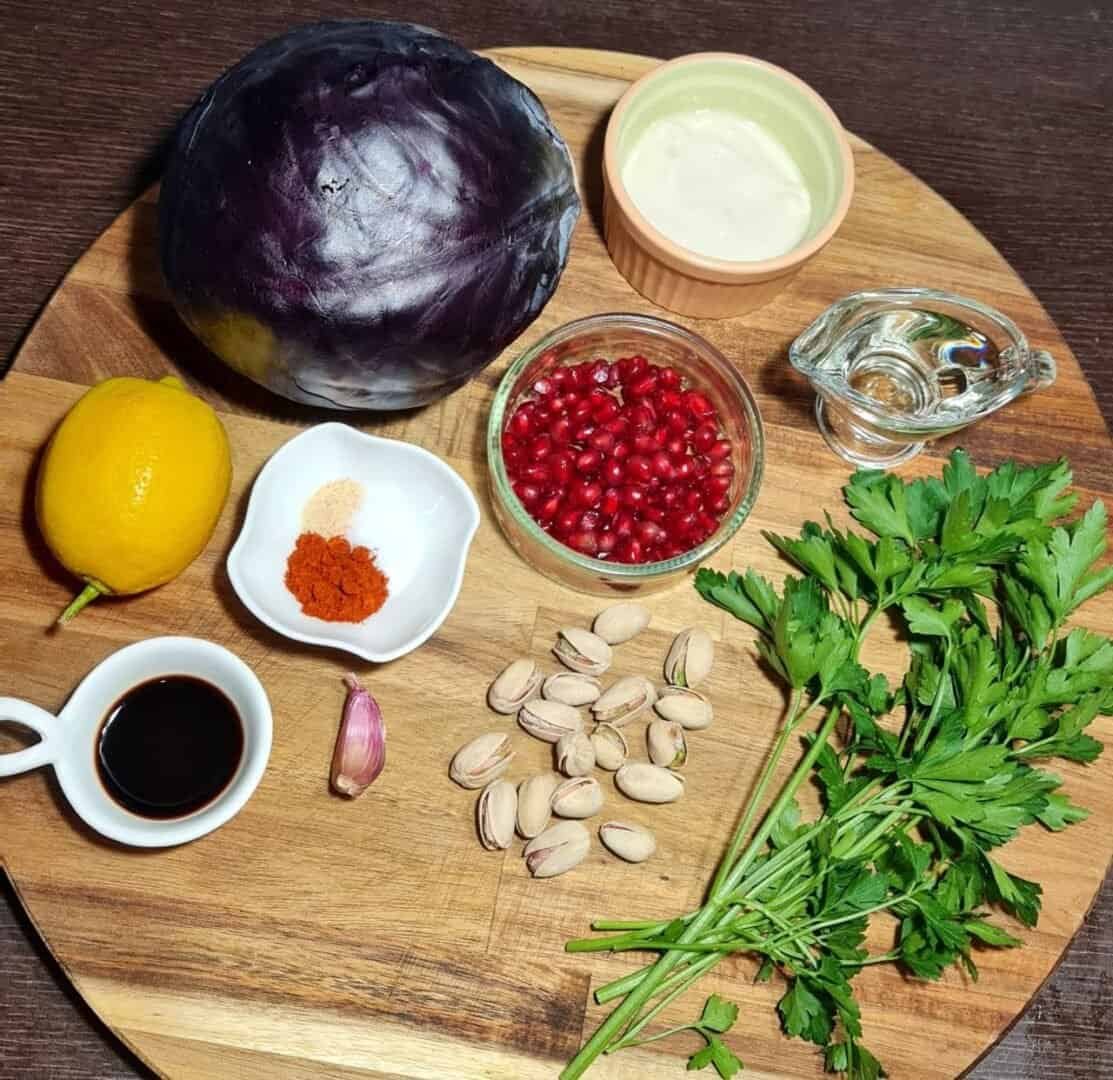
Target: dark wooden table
column 1004, row 108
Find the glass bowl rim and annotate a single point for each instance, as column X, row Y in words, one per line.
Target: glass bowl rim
column 633, row 572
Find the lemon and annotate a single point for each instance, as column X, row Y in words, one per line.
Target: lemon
column 131, row 485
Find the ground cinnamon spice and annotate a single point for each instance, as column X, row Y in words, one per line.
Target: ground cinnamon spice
column 333, row 580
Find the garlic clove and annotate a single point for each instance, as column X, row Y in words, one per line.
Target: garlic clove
column 360, row 752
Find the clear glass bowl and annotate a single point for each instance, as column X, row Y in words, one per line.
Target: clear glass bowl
column 661, row 342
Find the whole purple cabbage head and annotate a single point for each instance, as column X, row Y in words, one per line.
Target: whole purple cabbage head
column 362, row 215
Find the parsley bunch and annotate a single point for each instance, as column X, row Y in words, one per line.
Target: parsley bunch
column 911, row 815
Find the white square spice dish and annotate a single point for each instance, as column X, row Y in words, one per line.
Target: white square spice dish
column 417, row 516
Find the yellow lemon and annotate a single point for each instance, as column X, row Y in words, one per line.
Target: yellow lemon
column 131, row 485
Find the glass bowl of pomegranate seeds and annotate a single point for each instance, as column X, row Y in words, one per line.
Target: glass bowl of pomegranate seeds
column 623, row 451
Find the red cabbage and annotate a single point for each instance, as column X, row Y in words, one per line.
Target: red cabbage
column 364, row 214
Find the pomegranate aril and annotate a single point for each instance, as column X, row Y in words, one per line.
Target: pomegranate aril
column 561, row 465
column 590, row 519
column 677, row 447
column 717, row 485
column 683, row 470
column 581, row 411
column 566, row 520
column 630, row 551
column 674, row 548
column 529, row 494
column 543, row 386
column 641, row 418
column 582, row 374
column 697, row 404
column 699, row 467
column 607, row 542
column 613, row 471
column 722, row 468
column 707, row 523
column 704, row 437
column 604, row 411
column 610, row 502
column 559, row 378
column 619, row 427
column 672, row 497
column 719, row 450
column 644, row 444
column 603, row 441
column 522, row 422
column 588, row 462
column 649, row 533
column 621, row 451
column 639, row 468
column 693, row 500
column 654, row 514
column 535, row 474
column 560, row 430
column 668, row 377
column 662, row 466
column 633, row 497
column 669, row 399
column 720, row 505
column 623, row 524
column 600, row 372
column 541, row 447
column 641, row 386
column 548, row 509
column 629, row 367
column 585, row 494
column 513, row 458
column 583, row 433
column 676, row 421
column 584, row 541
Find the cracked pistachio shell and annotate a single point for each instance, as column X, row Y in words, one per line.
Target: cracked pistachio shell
column 575, row 756
column 610, row 747
column 496, row 813
column 689, row 708
column 626, row 700
column 549, row 720
column 620, row 622
column 559, row 848
column 634, row 843
column 570, row 688
column 666, row 743
column 580, row 797
column 535, row 798
column 689, row 660
column 514, row 686
column 482, row 760
column 582, row 651
column 649, row 783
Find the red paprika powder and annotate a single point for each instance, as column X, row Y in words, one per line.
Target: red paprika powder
column 333, row 580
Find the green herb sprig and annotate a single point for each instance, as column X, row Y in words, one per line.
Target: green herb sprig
column 910, row 817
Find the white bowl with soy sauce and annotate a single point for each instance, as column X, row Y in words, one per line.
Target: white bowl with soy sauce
column 161, row 743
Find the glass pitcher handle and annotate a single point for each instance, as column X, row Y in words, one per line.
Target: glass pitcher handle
column 1042, row 370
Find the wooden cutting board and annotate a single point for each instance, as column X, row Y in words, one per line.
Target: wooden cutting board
column 313, row 937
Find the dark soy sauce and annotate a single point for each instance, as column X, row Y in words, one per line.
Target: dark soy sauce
column 169, row 747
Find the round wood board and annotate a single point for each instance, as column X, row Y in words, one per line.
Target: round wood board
column 313, row 937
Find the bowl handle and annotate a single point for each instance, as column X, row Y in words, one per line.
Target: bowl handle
column 41, row 722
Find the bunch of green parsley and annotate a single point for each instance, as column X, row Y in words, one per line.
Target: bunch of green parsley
column 911, row 815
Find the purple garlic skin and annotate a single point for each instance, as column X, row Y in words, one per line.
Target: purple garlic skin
column 360, row 752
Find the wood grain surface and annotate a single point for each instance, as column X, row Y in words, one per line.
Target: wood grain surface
column 1092, row 467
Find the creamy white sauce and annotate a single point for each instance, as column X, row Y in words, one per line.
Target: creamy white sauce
column 718, row 184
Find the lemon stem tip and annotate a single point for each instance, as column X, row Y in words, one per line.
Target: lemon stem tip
column 86, row 596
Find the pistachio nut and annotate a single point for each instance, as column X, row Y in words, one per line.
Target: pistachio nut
column 575, row 756
column 514, row 686
column 496, row 813
column 549, row 720
column 579, row 797
column 559, row 848
column 689, row 708
column 626, row 700
column 666, row 743
column 582, row 651
column 649, row 783
column 620, row 622
column 634, row 843
column 689, row 660
column 482, row 760
column 610, row 747
column 535, row 797
column 570, row 688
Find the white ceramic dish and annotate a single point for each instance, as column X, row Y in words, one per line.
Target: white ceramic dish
column 417, row 516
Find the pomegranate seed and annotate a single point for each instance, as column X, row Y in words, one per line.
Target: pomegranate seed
column 677, row 447
column 559, row 378
column 681, row 523
column 604, row 411
column 581, row 411
column 588, row 462
column 649, row 533
column 582, row 374
column 618, row 427
column 717, row 485
column 560, row 467
column 589, row 519
column 654, row 514
column 662, row 466
column 697, row 404
column 621, row 451
column 528, row 494
column 719, row 450
column 683, row 470
column 633, row 497
column 583, row 433
column 535, row 474
column 613, row 471
column 508, row 439
column 600, row 372
column 639, row 468
column 661, row 436
column 607, row 543
column 565, row 521
column 548, row 509
column 644, row 444
column 603, row 441
column 699, row 467
column 513, row 458
column 543, row 386
column 668, row 377
column 629, row 367
column 609, row 504
column 541, row 447
column 585, row 494
column 693, row 500
column 641, row 418
column 707, row 523
column 676, row 421
column 522, row 422
column 720, row 505
column 722, row 468
column 630, row 551
column 671, row 550
column 623, row 524
column 561, row 431
column 672, row 498
column 704, row 438
column 641, row 386
column 584, row 541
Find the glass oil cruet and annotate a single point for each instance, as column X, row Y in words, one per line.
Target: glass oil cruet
column 895, row 368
